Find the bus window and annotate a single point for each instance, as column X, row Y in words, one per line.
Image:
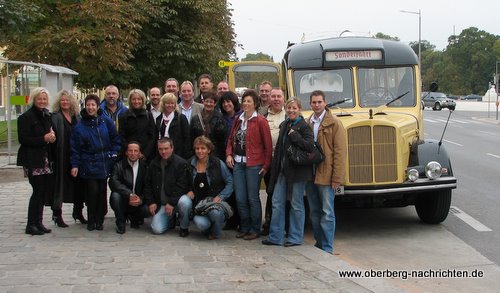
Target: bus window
column 336, row 84
column 251, row 75
column 378, row 86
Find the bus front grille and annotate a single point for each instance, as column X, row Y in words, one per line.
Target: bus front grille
column 372, row 154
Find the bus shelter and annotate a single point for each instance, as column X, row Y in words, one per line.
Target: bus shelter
column 20, row 77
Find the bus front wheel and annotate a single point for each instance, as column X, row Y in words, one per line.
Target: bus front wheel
column 433, row 207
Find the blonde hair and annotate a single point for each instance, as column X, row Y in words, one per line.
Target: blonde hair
column 168, row 98
column 187, row 82
column 293, row 100
column 73, row 104
column 141, row 95
column 36, row 92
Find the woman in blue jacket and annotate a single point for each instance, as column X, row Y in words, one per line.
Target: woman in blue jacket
column 95, row 145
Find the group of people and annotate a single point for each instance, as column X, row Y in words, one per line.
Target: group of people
column 178, row 158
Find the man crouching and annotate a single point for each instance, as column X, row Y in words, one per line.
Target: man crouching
column 167, row 185
column 127, row 186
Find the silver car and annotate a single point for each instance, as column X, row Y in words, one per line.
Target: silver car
column 437, row 101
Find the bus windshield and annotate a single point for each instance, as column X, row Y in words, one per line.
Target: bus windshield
column 335, row 83
column 379, row 86
column 375, row 86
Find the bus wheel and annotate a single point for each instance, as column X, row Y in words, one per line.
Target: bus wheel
column 433, row 207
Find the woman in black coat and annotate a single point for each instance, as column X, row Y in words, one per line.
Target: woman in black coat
column 285, row 174
column 137, row 124
column 171, row 123
column 211, row 124
column 35, row 134
column 66, row 189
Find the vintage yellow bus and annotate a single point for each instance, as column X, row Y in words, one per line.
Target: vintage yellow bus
column 373, row 86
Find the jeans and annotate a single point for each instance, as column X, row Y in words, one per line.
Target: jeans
column 297, row 212
column 212, row 223
column 120, row 205
column 322, row 212
column 246, row 188
column 159, row 223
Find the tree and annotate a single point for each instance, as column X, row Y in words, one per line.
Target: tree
column 91, row 37
column 258, row 57
column 380, row 35
column 183, row 39
column 132, row 43
column 471, row 57
column 15, row 17
column 424, row 46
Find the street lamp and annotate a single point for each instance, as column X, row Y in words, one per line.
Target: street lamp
column 419, row 34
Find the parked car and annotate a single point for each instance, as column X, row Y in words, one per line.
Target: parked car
column 437, row 101
column 473, row 97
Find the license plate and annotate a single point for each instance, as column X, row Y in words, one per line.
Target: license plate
column 339, row 190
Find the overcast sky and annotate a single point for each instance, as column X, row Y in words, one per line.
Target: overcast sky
column 267, row 25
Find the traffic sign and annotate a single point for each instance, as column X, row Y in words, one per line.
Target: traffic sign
column 223, row 63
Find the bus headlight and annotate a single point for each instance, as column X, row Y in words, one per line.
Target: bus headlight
column 412, row 175
column 433, row 170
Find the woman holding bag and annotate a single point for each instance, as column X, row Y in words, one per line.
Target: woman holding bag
column 296, row 132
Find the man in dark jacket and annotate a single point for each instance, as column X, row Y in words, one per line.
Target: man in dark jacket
column 127, row 186
column 167, row 183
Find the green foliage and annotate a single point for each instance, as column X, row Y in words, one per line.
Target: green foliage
column 16, row 17
column 183, row 39
column 424, row 46
column 258, row 57
column 132, row 43
column 467, row 64
column 384, row 36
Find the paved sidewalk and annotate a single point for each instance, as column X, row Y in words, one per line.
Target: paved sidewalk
column 76, row 260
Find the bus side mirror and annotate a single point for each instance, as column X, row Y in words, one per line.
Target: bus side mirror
column 434, row 87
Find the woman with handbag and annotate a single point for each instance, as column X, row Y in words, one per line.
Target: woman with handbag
column 295, row 132
column 212, row 185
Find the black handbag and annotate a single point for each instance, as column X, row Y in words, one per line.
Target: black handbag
column 300, row 157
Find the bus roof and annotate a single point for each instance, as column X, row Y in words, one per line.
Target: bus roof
column 312, row 54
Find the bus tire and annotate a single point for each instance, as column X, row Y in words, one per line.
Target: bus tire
column 433, row 207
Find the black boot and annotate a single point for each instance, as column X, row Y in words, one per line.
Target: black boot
column 57, row 218
column 33, row 230
column 42, row 228
column 78, row 215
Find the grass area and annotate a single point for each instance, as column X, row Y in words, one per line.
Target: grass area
column 3, row 131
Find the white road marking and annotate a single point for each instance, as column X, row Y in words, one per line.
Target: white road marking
column 430, row 120
column 469, row 220
column 444, row 121
column 496, row 156
column 460, row 121
column 455, row 143
column 476, row 122
column 487, row 132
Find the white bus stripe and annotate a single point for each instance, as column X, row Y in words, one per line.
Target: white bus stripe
column 469, row 220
